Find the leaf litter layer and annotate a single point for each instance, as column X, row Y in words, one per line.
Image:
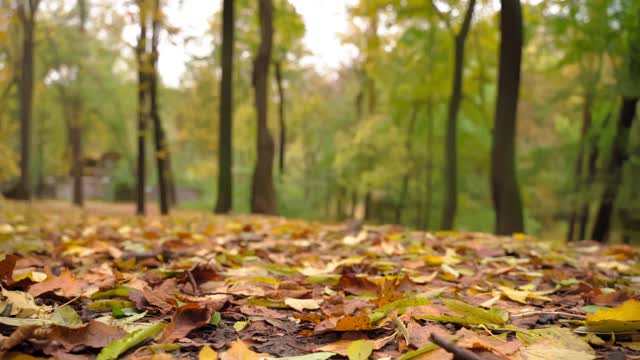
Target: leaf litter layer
column 78, row 286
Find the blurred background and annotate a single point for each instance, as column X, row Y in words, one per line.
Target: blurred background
column 369, row 115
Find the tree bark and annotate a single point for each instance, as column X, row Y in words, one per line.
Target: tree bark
column 579, row 176
column 263, row 199
column 27, row 15
column 281, row 118
column 451, row 147
column 592, row 164
column 429, row 171
column 504, row 184
column 405, row 179
column 143, row 83
column 160, row 139
column 619, row 156
column 368, row 209
column 75, row 128
column 224, row 203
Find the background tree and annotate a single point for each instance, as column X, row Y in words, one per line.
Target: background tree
column 225, row 153
column 263, row 197
column 504, row 185
column 143, row 99
column 161, row 145
column 451, row 147
column 620, row 145
column 26, row 11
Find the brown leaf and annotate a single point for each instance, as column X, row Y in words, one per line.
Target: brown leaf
column 152, row 300
column 6, row 267
column 187, row 318
column 473, row 341
column 254, row 310
column 419, row 335
column 356, row 285
column 19, row 335
column 94, row 334
column 65, row 285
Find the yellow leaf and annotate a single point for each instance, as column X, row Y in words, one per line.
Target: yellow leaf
column 303, row 304
column 522, row 295
column 240, row 351
column 207, row 353
column 629, row 311
column 359, row 350
column 624, row 318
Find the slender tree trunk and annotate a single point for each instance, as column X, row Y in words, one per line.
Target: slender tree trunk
column 592, row 164
column 143, row 83
column 225, row 152
column 368, row 210
column 27, row 15
column 619, row 156
column 451, row 147
column 171, row 181
column 75, row 133
column 405, row 179
column 160, row 139
column 263, row 197
column 354, row 204
column 429, row 171
column 75, row 137
column 340, row 198
column 579, row 176
column 504, row 184
column 281, row 119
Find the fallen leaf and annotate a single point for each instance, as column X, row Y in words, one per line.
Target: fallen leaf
column 65, row 285
column 93, row 334
column 303, row 304
column 359, row 350
column 118, row 347
column 188, row 317
column 240, row 351
column 624, row 318
column 206, row 353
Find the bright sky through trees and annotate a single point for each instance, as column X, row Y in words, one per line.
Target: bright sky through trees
column 325, row 21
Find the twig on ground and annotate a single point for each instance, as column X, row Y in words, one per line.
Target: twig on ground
column 194, row 285
column 458, row 352
column 402, row 328
column 542, row 312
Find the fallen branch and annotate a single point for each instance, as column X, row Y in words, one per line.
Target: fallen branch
column 458, row 352
column 542, row 312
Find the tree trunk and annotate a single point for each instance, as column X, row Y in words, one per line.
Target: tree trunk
column 451, row 147
column 160, row 139
column 225, row 150
column 368, row 210
column 283, row 126
column 592, row 163
column 504, row 184
column 143, row 83
column 429, row 171
column 75, row 129
column 579, row 176
column 405, row 179
column 619, row 156
column 263, row 197
column 27, row 15
column 75, row 138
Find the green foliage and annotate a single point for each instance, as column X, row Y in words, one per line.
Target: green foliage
column 361, row 130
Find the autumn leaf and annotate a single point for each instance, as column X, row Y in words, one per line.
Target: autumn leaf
column 240, row 351
column 188, row 317
column 624, row 318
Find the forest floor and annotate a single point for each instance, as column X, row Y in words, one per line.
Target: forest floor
column 102, row 283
